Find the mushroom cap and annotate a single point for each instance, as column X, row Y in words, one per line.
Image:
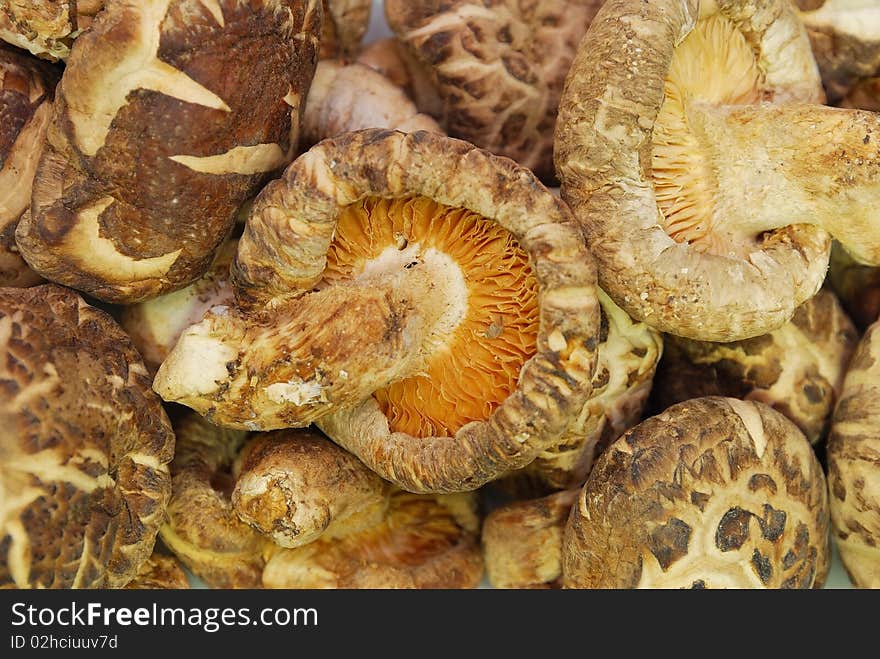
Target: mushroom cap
column 797, row 369
column 712, row 493
column 26, row 89
column 280, row 258
column 854, row 468
column 157, row 96
column 343, row 27
column 159, row 572
column 498, row 67
column 424, row 542
column 603, row 150
column 522, row 541
column 857, row 286
column 155, row 325
column 845, row 38
column 46, row 28
column 83, row 456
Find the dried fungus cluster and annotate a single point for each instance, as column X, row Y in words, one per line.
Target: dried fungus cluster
column 285, row 307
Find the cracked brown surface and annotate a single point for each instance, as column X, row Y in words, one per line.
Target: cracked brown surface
column 85, row 448
column 201, row 97
column 498, row 67
column 854, row 465
column 712, row 493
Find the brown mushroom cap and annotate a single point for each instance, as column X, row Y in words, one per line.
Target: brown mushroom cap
column 84, row 449
column 688, row 185
column 712, row 493
column 469, row 270
column 161, row 129
column 857, row 286
column 845, row 37
column 410, row 541
column 797, row 369
column 159, row 572
column 343, row 27
column 26, row 88
column 854, row 465
column 155, row 325
column 498, row 67
column 522, row 541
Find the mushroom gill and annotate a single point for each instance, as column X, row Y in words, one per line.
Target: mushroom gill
column 474, row 364
column 713, row 66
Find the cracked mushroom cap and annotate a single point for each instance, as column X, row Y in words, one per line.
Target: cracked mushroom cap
column 797, row 369
column 353, row 531
column 46, row 28
column 26, row 88
column 857, row 286
column 428, row 302
column 697, row 190
column 854, row 465
column 712, row 493
column 845, row 37
column 85, row 448
column 166, row 120
column 343, row 27
column 155, row 325
column 498, row 67
column 522, row 541
column 159, row 572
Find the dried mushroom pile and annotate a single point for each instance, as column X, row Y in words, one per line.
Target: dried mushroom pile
column 290, row 310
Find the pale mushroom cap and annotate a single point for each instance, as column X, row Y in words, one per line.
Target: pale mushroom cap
column 158, row 137
column 615, row 92
column 343, row 27
column 85, row 445
column 797, row 369
column 498, row 67
column 857, row 286
column 713, row 493
column 46, row 28
column 854, row 465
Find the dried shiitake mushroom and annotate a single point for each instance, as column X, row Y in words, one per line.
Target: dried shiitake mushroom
column 854, row 465
column 391, row 58
column 352, row 529
column 347, row 97
column 26, row 88
column 46, row 28
column 797, row 369
column 429, row 302
column 498, row 67
column 343, row 27
column 857, row 286
column 85, row 445
column 169, row 115
column 155, row 325
column 692, row 147
column 845, row 36
column 712, row 493
column 522, row 541
column 159, row 572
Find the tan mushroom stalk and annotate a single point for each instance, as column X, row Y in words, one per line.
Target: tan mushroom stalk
column 26, row 87
column 498, row 68
column 296, row 491
column 740, row 174
column 158, row 136
column 343, row 27
column 84, row 449
column 522, row 541
column 845, row 36
column 853, row 466
column 346, row 528
column 797, row 369
column 413, row 288
column 857, row 286
column 350, row 97
column 712, row 493
column 46, row 28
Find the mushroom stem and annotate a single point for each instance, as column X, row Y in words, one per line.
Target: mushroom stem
column 777, row 165
column 339, row 345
